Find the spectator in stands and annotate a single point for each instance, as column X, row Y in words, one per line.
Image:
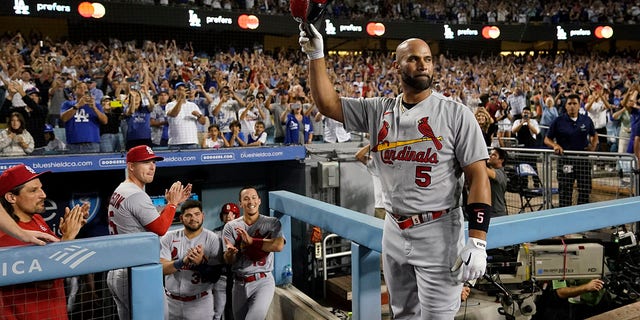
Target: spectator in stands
column 158, row 120
column 225, row 108
column 34, row 113
column 56, row 98
column 95, row 92
column 498, row 179
column 623, row 115
column 486, row 124
column 517, row 102
column 201, row 98
column 235, row 137
column 258, row 137
column 333, row 130
column 215, row 139
column 250, row 114
column 15, row 140
column 597, row 108
column 634, row 113
column 23, row 199
column 504, row 121
column 82, row 118
column 110, row 137
column 298, row 128
column 278, row 110
column 572, row 131
column 53, row 144
column 268, row 119
column 493, row 105
column 183, row 116
column 138, row 116
column 525, row 129
column 549, row 113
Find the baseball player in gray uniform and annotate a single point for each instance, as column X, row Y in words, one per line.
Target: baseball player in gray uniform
column 186, row 255
column 131, row 211
column 222, row 289
column 422, row 143
column 250, row 242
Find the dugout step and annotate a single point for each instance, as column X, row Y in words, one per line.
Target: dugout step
column 339, row 292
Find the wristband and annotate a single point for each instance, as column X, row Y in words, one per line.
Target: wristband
column 479, row 216
column 257, row 243
column 178, row 264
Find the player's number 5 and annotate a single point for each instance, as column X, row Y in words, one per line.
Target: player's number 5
column 423, row 179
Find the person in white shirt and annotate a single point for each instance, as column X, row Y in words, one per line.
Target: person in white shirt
column 250, row 115
column 333, row 130
column 224, row 109
column 182, row 117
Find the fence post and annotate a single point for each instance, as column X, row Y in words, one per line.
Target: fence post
column 283, row 257
column 365, row 282
column 147, row 292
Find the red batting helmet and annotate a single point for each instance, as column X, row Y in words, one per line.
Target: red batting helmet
column 229, row 207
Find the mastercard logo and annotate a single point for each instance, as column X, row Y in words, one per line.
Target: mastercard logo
column 490, row 32
column 91, row 10
column 603, row 32
column 246, row 21
column 375, row 29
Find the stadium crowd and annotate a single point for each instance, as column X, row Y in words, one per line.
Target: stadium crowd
column 447, row 11
column 115, row 95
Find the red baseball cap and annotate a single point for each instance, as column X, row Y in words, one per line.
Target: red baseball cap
column 142, row 153
column 17, row 176
column 230, row 208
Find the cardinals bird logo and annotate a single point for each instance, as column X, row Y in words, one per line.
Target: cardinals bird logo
column 427, row 132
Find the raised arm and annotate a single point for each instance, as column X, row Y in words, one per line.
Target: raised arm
column 322, row 90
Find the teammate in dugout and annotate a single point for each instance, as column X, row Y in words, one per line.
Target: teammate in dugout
column 23, row 199
column 191, row 263
column 421, row 142
column 222, row 289
column 131, row 211
column 250, row 242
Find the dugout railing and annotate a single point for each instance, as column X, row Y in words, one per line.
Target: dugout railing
column 140, row 252
column 365, row 233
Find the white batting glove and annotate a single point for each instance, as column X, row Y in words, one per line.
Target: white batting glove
column 474, row 258
column 313, row 47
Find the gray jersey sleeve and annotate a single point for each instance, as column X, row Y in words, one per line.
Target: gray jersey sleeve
column 419, row 153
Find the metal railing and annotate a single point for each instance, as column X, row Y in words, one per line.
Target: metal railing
column 613, row 176
column 140, row 252
column 365, row 232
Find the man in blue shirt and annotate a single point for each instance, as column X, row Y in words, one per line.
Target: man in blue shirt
column 82, row 118
column 572, row 131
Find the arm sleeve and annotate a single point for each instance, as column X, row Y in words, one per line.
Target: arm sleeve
column 162, row 223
